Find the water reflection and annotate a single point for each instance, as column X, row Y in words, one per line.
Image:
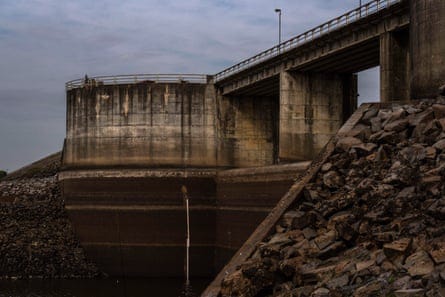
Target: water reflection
column 98, row 288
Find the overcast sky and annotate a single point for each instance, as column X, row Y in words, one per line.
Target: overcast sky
column 44, row 43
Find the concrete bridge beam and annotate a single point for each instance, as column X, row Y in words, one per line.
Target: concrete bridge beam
column 247, row 130
column 427, row 44
column 312, row 109
column 394, row 66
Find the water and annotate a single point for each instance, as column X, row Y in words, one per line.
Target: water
column 99, row 288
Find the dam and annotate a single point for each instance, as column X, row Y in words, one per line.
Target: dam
column 130, row 148
column 237, row 139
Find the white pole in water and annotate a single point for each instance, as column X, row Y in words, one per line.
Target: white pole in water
column 188, row 240
column 184, row 193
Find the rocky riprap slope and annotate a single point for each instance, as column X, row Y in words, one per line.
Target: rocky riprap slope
column 36, row 237
column 372, row 221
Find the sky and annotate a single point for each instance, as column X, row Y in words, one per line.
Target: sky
column 45, row 43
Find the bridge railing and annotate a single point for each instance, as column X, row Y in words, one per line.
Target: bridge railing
column 136, row 78
column 354, row 15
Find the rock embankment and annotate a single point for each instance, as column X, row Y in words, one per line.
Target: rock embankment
column 372, row 221
column 46, row 167
column 36, row 237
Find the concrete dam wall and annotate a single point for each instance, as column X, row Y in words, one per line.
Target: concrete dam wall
column 148, row 124
column 130, row 148
column 166, row 125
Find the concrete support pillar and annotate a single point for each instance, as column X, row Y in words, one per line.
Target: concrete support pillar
column 247, row 130
column 427, row 46
column 394, row 66
column 311, row 112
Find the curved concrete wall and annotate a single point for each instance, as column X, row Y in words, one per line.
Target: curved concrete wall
column 173, row 125
column 132, row 221
column 427, row 31
column 130, row 147
column 141, row 125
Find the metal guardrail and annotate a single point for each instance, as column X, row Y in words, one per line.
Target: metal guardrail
column 136, row 78
column 352, row 16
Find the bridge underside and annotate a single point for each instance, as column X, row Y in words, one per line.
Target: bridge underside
column 357, row 57
column 311, row 90
column 356, row 47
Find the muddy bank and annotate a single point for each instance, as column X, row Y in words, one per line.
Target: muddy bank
column 36, row 237
column 371, row 223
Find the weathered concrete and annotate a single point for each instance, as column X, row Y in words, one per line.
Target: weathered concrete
column 131, row 221
column 147, row 124
column 427, row 31
column 168, row 125
column 353, row 48
column 244, row 198
column 291, row 197
column 311, row 111
column 247, row 130
column 394, row 66
column 130, row 147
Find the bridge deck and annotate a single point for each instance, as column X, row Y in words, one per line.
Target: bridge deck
column 350, row 47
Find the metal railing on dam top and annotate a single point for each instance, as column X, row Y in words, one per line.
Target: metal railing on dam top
column 136, row 78
column 354, row 15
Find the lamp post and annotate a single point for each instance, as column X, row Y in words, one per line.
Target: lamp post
column 278, row 10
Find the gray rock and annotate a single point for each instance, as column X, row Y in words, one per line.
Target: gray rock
column 396, row 126
column 326, row 167
column 378, row 210
column 410, row 293
column 440, row 145
column 402, row 283
column 419, row 264
column 369, row 114
column 345, row 143
column 439, row 111
column 374, row 288
column 289, row 216
column 442, row 90
column 421, row 118
column 438, row 253
column 321, row 292
column 442, row 123
column 302, row 219
column 397, row 248
column 333, row 180
column 325, row 239
column 376, row 125
column 338, row 282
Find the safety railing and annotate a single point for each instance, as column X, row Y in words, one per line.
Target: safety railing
column 352, row 16
column 136, row 78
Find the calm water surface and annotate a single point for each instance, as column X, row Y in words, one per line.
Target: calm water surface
column 98, row 288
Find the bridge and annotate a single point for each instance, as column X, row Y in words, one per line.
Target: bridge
column 236, row 139
column 312, row 77
column 347, row 44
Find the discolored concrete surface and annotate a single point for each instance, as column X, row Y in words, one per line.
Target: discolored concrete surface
column 132, row 222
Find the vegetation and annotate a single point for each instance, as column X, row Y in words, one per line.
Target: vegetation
column 3, row 174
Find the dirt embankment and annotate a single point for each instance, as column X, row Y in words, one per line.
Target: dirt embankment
column 36, row 237
column 371, row 223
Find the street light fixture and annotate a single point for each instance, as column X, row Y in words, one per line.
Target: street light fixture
column 278, row 10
